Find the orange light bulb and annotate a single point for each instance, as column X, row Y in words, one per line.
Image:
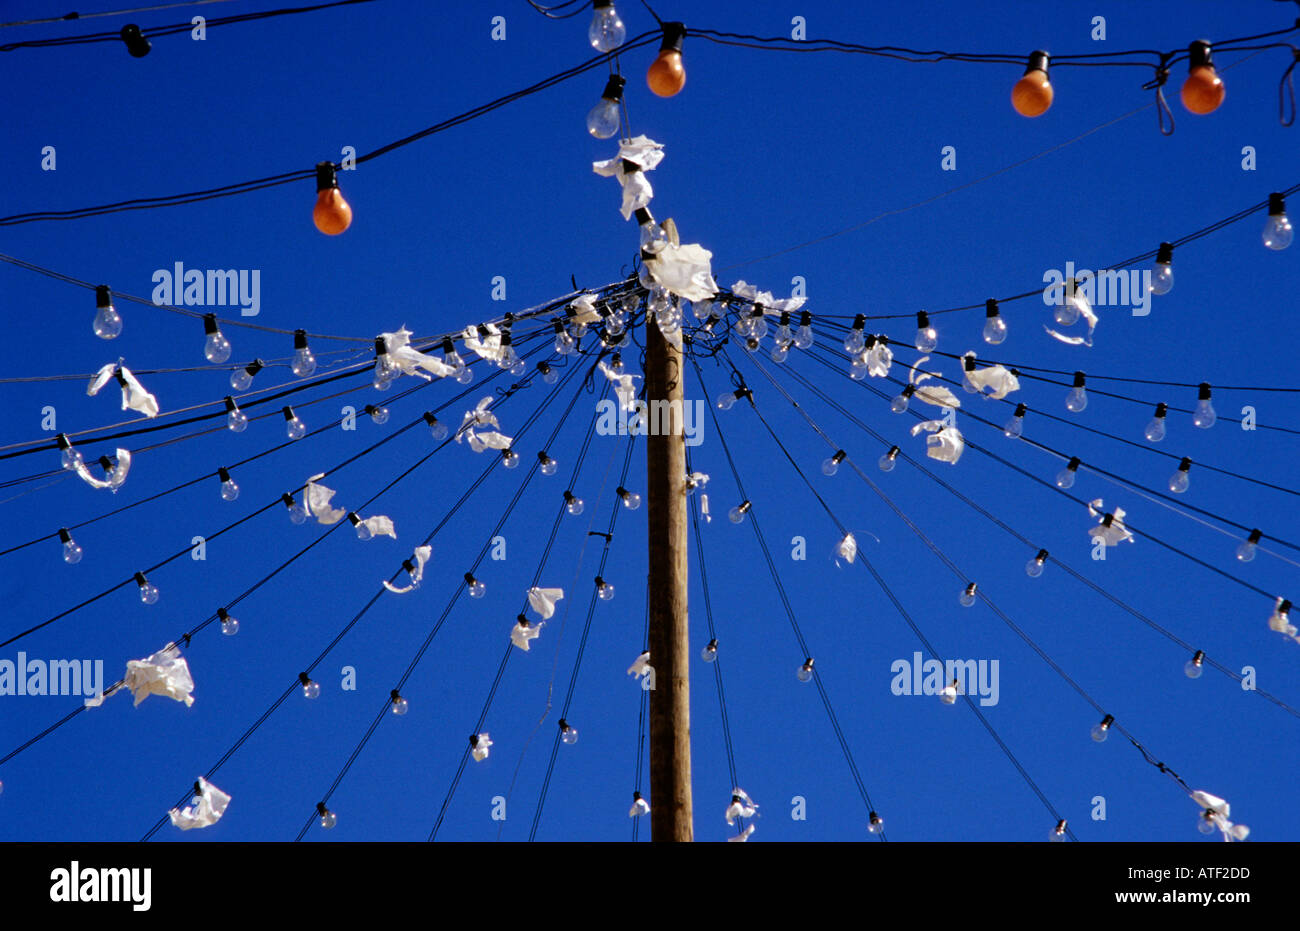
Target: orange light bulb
column 1032, row 94
column 332, row 214
column 1203, row 91
column 667, row 75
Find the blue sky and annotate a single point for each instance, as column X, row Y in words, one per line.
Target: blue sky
column 764, row 150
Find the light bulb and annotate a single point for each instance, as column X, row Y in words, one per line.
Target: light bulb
column 241, row 379
column 229, row 625
column 899, row 404
column 1034, row 568
column 451, row 357
column 310, row 687
column 1203, row 416
column 70, row 458
column 107, row 323
column 1246, row 551
column 327, row 818
column 1155, row 431
column 294, row 427
column 1015, row 427
column 855, row 342
column 667, row 76
column 631, row 500
column 573, row 504
column 399, row 704
column 639, row 806
column 926, row 336
column 832, row 465
column 377, row 414
column 1077, row 399
column 1180, row 480
column 1203, row 90
column 653, row 240
column 148, row 591
column 564, row 343
column 1162, row 274
column 1205, row 824
column 1277, row 233
column 780, row 352
column 1073, row 304
column 967, row 596
column 465, row 375
column 568, row 734
column 332, row 215
column 71, row 550
column 1101, row 731
column 710, row 652
column 875, row 823
column 607, row 31
column 737, row 514
column 216, row 348
column 236, row 420
column 803, row 337
column 805, row 672
column 604, row 590
column 304, row 363
column 437, row 429
column 858, row 368
column 1057, row 834
column 298, row 513
column 1032, row 94
column 509, row 459
column 549, row 375
column 968, row 367
column 995, row 328
column 363, row 532
column 603, row 120
column 1193, row 667
column 547, row 465
column 726, row 400
column 888, row 460
column 1065, row 478
column 229, row 490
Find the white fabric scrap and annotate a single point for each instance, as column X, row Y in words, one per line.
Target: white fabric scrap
column 624, row 387
column 584, row 309
column 318, row 502
column 948, row 695
column 996, row 378
column 485, row 347
column 1116, row 533
column 520, row 634
column 937, row 395
column 879, row 358
column 542, row 600
column 743, row 836
column 113, row 478
column 134, row 396
column 742, row 807
column 643, row 152
column 684, row 270
column 1220, row 810
column 480, row 439
column 696, row 480
column 380, row 526
column 639, row 807
column 482, row 743
column 945, row 443
column 847, row 549
column 211, row 806
column 409, row 361
column 165, row 673
column 1282, row 622
column 640, row 666
column 420, row 557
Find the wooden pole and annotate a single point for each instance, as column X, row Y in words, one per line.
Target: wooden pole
column 670, row 710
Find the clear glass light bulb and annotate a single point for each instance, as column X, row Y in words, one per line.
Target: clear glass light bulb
column 967, row 385
column 1067, row 312
column 1034, row 568
column 709, row 653
column 477, row 589
column 1162, row 278
column 726, row 400
column 899, row 404
column 304, row 363
column 803, row 337
column 1192, row 669
column 216, row 348
column 550, row 376
column 510, row 460
column 966, row 598
column 876, row 824
column 631, row 501
column 574, row 506
column 855, row 342
column 804, row 673
column 438, row 430
column 328, row 820
column 108, row 323
column 549, row 467
column 453, row 359
column 995, row 330
column 1100, row 733
column 1179, row 481
column 401, row 706
column 606, row 592
column 927, row 338
column 886, row 462
column 1204, row 415
column 241, row 380
column 298, row 513
column 569, row 735
column 1246, row 551
column 780, row 353
column 736, row 515
column 858, row 368
column 364, row 532
column 72, row 552
column 1014, row 428
column 1277, row 233
column 603, row 119
column 229, row 490
column 607, row 31
column 1155, row 431
column 237, row 421
column 1055, row 836
column 311, row 689
column 564, row 343
column 653, row 239
column 465, row 375
column 229, row 626
column 384, row 376
column 70, row 458
column 1076, row 400
column 1205, row 825
column 830, row 466
column 379, row 415
column 1065, row 478
column 149, row 593
column 295, row 429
